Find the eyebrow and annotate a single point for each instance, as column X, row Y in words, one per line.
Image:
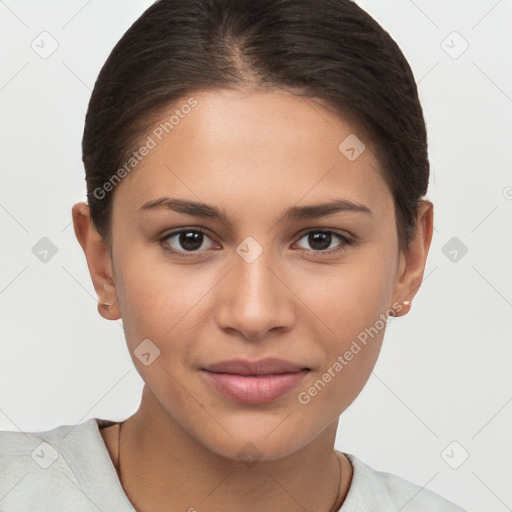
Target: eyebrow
column 292, row 214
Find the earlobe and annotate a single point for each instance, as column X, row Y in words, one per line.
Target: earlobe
column 104, row 309
column 413, row 259
column 98, row 259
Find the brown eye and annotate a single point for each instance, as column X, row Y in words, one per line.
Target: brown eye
column 186, row 241
column 322, row 240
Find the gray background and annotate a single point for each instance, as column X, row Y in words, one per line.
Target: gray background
column 441, row 390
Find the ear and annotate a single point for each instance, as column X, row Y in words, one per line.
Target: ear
column 99, row 261
column 412, row 262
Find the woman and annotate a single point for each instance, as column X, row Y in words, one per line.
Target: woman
column 256, row 178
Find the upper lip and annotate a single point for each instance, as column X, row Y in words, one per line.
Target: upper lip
column 267, row 366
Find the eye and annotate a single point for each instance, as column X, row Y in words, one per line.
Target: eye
column 186, row 241
column 321, row 240
column 189, row 242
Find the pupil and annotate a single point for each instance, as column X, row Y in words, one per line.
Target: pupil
column 323, row 239
column 191, row 240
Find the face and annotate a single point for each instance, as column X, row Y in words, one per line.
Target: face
column 258, row 273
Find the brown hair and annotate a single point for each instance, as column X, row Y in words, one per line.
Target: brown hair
column 330, row 50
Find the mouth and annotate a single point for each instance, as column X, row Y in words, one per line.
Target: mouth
column 255, row 382
column 267, row 366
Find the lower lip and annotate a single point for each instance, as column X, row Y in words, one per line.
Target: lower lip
column 255, row 389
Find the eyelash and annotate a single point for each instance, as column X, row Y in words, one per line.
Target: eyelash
column 345, row 241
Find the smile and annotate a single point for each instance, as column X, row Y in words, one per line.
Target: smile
column 254, row 389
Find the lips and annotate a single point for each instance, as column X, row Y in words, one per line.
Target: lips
column 268, row 366
column 254, row 382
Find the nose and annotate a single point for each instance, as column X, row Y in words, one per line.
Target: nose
column 254, row 299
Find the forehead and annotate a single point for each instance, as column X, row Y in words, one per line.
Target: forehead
column 259, row 150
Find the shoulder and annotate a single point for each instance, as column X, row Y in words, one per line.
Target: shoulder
column 377, row 490
column 24, row 449
column 53, row 469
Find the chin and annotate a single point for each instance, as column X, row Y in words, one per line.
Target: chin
column 255, row 444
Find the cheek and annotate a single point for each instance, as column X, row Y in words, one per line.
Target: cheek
column 353, row 304
column 348, row 356
column 354, row 295
column 162, row 301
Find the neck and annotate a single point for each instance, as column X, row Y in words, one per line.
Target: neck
column 160, row 464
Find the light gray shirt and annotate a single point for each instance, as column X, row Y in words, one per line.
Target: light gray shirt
column 69, row 469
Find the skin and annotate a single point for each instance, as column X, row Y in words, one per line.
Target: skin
column 253, row 154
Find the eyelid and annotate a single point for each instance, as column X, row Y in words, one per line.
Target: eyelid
column 163, row 238
column 346, row 240
column 343, row 234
